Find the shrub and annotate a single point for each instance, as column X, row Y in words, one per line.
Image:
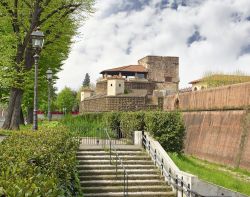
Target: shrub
column 84, row 125
column 112, row 121
column 167, row 128
column 39, row 163
column 131, row 121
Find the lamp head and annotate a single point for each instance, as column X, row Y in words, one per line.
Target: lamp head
column 49, row 74
column 37, row 39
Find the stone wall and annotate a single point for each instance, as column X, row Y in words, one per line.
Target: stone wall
column 149, row 86
column 219, row 136
column 116, row 103
column 226, row 97
column 161, row 69
column 101, row 86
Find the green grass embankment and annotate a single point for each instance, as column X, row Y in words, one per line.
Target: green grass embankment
column 234, row 179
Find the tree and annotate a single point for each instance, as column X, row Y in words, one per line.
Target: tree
column 18, row 18
column 86, row 81
column 66, row 99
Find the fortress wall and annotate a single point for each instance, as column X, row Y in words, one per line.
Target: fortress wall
column 227, row 97
column 217, row 123
column 101, row 86
column 218, row 136
column 113, row 103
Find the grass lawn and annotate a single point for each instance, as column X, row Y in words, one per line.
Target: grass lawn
column 234, row 179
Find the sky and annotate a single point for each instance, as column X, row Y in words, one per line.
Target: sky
column 207, row 36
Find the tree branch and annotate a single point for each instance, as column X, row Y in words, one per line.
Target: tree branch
column 69, row 6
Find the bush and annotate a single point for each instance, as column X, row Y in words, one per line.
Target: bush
column 112, row 121
column 84, row 125
column 39, row 163
column 131, row 121
column 168, row 128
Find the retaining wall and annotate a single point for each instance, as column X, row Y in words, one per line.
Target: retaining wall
column 219, row 136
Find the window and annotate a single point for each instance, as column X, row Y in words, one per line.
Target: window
column 120, row 85
column 168, row 79
column 111, row 84
column 195, row 89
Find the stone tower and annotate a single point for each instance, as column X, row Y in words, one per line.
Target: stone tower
column 115, row 86
column 162, row 70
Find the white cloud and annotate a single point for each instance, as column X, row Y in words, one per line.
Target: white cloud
column 118, row 35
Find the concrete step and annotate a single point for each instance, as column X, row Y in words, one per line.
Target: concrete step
column 120, row 148
column 107, row 153
column 133, row 194
column 148, row 188
column 106, row 162
column 113, row 172
column 133, row 166
column 88, row 183
column 120, row 177
column 107, row 157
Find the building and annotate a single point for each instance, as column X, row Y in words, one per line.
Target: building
column 134, row 87
column 217, row 80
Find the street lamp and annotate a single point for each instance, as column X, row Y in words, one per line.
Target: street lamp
column 49, row 74
column 37, row 44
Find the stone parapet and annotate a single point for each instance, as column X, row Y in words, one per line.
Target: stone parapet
column 227, row 97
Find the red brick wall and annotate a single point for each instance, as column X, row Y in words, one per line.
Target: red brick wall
column 233, row 96
column 219, row 136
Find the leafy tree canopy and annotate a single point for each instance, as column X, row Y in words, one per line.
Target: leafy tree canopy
column 66, row 99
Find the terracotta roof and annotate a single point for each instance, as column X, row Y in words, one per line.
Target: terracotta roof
column 129, row 68
column 219, row 77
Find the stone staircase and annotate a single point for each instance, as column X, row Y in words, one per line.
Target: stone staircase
column 98, row 177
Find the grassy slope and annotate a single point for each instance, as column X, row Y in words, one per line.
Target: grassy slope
column 234, row 179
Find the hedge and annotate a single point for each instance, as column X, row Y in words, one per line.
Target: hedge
column 166, row 127
column 39, row 163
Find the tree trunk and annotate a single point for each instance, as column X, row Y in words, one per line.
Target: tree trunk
column 21, row 117
column 12, row 118
column 30, row 115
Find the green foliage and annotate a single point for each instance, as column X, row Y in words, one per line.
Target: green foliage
column 86, row 81
column 85, row 125
column 168, row 128
column 66, row 99
column 39, row 164
column 112, row 121
column 131, row 121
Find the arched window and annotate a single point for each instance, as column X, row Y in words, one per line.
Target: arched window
column 176, row 103
column 195, row 89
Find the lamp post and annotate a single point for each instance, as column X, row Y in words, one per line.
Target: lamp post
column 37, row 44
column 49, row 74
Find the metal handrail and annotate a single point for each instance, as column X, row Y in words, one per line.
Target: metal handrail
column 175, row 182
column 118, row 159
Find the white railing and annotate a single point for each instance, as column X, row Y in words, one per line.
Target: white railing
column 183, row 183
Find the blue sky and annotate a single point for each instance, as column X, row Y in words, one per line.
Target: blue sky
column 207, row 35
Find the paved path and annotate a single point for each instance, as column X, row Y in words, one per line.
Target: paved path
column 2, row 138
column 1, row 123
